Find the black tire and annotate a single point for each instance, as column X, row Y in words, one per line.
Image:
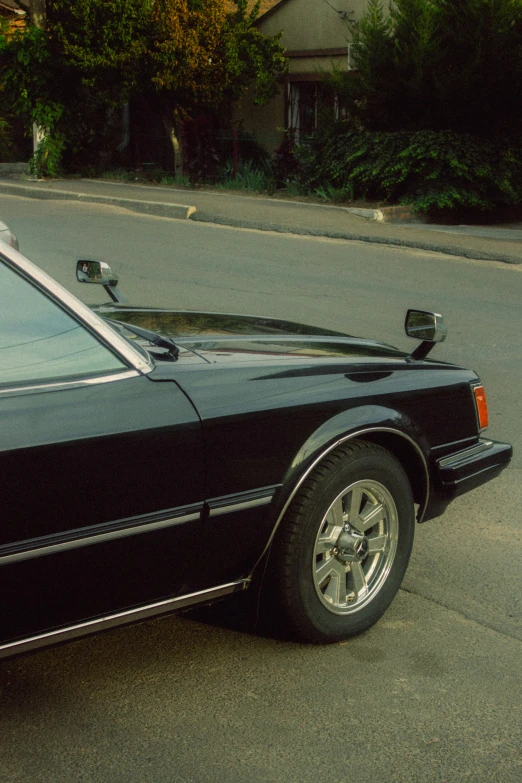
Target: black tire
column 314, row 562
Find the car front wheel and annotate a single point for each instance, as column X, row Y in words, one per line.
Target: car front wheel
column 342, row 549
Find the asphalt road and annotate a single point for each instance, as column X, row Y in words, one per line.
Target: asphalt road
column 432, row 693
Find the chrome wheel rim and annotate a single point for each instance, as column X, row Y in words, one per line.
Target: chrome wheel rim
column 355, row 547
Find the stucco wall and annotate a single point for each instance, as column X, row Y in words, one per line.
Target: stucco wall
column 316, row 65
column 264, row 122
column 311, row 24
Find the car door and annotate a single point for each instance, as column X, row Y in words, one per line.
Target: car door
column 101, row 472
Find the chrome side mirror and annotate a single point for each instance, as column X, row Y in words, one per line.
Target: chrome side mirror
column 99, row 272
column 425, row 326
column 95, row 272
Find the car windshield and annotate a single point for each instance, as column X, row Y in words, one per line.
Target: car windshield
column 39, row 340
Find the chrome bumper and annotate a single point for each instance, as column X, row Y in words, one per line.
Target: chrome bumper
column 462, row 471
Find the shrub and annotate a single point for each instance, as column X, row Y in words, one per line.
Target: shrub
column 428, row 169
column 46, row 160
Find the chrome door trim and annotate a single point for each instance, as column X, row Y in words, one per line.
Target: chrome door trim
column 319, row 459
column 97, row 538
column 57, row 385
column 123, row 348
column 242, row 501
column 119, row 618
column 241, row 506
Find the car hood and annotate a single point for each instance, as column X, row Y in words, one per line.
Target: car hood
column 221, row 337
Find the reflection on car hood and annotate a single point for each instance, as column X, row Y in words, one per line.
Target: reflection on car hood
column 219, row 336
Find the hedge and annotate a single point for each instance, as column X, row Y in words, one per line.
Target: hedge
column 430, row 170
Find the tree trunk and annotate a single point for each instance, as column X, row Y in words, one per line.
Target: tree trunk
column 39, row 19
column 175, row 139
column 38, row 13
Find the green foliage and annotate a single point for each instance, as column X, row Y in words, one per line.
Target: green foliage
column 104, row 41
column 5, row 140
column 66, row 78
column 251, row 58
column 429, row 170
column 329, row 192
column 437, row 65
column 181, row 181
column 47, row 159
column 251, row 177
column 435, row 109
column 190, row 55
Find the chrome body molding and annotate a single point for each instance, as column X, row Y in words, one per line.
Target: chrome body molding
column 92, row 537
column 461, row 456
column 323, row 454
column 241, row 506
column 241, row 501
column 93, row 381
column 120, row 346
column 119, row 619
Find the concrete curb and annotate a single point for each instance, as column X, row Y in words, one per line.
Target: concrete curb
column 184, row 212
column 158, row 208
column 369, row 214
column 397, row 214
column 13, row 169
column 433, row 246
column 400, row 214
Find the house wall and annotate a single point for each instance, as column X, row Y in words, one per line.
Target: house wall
column 316, row 39
column 311, row 24
column 267, row 122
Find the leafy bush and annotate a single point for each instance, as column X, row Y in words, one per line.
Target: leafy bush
column 428, row 169
column 46, row 160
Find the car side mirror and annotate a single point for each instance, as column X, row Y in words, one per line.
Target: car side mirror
column 100, row 272
column 425, row 326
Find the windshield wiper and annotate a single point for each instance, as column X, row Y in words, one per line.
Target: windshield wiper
column 153, row 337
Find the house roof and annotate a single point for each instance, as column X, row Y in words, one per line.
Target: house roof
column 265, row 5
column 11, row 6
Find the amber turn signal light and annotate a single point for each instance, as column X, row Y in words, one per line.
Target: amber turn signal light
column 482, row 406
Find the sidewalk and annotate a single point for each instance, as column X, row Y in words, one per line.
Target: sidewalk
column 493, row 243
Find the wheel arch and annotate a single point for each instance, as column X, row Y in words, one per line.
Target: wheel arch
column 386, row 430
column 411, row 458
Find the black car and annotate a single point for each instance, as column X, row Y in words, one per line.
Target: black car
column 151, row 460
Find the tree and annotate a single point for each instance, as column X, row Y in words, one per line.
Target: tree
column 67, row 76
column 438, row 65
column 202, row 58
column 188, row 55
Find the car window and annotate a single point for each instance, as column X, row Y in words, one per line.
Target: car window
column 40, row 341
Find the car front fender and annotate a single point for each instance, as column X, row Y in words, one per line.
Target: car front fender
column 379, row 424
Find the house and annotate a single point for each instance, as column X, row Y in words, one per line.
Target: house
column 10, row 10
column 316, row 36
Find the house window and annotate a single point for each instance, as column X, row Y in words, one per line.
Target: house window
column 311, row 106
